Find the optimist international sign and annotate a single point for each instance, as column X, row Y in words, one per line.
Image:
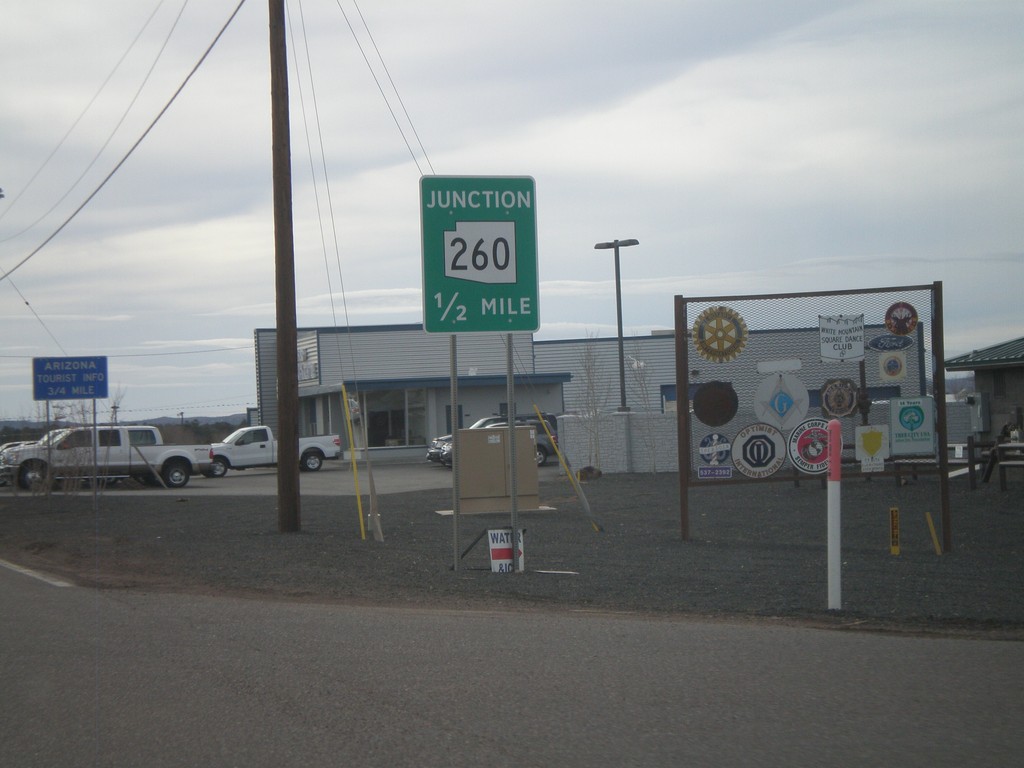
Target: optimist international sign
column 479, row 254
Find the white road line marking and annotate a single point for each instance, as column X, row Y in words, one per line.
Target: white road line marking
column 51, row 580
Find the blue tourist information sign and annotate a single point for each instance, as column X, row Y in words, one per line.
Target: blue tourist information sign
column 69, row 378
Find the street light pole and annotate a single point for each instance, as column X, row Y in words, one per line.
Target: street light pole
column 616, row 244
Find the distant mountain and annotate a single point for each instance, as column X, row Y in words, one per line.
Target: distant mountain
column 236, row 418
column 162, row 421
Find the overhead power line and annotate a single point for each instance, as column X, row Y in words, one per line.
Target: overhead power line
column 6, row 275
column 380, row 88
column 25, row 187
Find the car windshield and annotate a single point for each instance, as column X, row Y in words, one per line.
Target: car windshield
column 231, row 438
column 53, row 436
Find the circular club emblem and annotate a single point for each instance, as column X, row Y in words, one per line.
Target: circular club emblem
column 759, row 451
column 911, row 417
column 901, row 318
column 839, row 397
column 715, row 403
column 719, row 334
column 715, row 449
column 893, row 365
column 808, row 446
column 781, row 401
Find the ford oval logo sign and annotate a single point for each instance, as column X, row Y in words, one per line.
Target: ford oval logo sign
column 889, row 343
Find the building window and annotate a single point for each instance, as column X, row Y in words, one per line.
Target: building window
column 395, row 417
column 311, row 424
column 109, row 437
column 141, row 437
column 999, row 383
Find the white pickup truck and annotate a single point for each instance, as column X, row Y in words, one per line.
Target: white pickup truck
column 256, row 447
column 105, row 453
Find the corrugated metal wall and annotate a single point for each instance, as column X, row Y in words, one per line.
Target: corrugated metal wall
column 266, row 377
column 409, row 353
column 649, row 363
column 329, row 355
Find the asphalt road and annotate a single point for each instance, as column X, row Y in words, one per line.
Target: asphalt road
column 106, row 678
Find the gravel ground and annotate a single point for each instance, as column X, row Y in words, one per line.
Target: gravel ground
column 755, row 551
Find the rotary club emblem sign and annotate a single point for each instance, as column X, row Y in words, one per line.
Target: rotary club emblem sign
column 719, row 334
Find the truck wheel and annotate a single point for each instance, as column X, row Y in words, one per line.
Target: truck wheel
column 175, row 474
column 542, row 455
column 218, row 467
column 33, row 476
column 311, row 461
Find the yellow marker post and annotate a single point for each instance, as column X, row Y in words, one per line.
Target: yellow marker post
column 894, row 530
column 569, row 473
column 935, row 538
column 355, row 470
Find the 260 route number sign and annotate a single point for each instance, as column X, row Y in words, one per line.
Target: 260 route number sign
column 479, row 254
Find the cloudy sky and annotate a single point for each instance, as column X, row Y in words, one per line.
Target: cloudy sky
column 750, row 147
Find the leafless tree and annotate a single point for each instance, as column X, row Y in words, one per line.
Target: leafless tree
column 639, row 376
column 595, row 398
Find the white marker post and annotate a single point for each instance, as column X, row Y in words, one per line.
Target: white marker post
column 835, row 461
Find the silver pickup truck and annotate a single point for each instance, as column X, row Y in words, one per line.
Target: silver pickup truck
column 105, row 453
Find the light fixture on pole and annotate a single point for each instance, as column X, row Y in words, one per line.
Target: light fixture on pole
column 616, row 244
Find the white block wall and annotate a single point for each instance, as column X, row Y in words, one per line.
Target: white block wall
column 624, row 442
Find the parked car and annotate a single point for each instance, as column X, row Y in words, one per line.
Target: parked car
column 116, row 452
column 256, row 447
column 4, row 447
column 521, row 418
column 545, row 445
column 439, row 450
column 444, row 455
column 353, row 410
column 437, row 446
column 545, row 448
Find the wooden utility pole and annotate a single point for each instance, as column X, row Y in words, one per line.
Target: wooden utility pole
column 288, row 511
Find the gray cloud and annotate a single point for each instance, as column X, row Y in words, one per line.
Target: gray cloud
column 750, row 147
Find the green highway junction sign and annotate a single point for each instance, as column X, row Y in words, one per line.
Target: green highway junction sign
column 479, row 254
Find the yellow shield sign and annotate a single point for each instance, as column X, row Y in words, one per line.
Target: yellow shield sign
column 872, row 443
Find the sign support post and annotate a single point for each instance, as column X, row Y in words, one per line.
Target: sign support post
column 72, row 378
column 454, row 357
column 513, row 479
column 835, row 560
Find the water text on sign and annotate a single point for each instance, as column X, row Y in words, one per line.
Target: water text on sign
column 503, row 551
